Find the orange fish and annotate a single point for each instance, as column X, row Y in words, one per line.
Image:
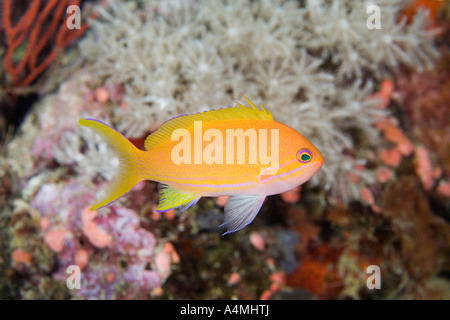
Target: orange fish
column 236, row 151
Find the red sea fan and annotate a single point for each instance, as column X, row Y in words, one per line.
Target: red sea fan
column 34, row 39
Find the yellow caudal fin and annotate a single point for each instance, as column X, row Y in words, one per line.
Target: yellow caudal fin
column 129, row 173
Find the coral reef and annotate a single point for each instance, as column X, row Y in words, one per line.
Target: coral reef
column 117, row 257
column 425, row 99
column 121, row 269
column 379, row 119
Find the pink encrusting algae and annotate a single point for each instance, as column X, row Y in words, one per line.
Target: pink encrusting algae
column 424, row 168
column 257, row 241
column 234, row 278
column 292, row 196
column 170, row 249
column 384, row 174
column 393, row 134
column 96, row 235
column 367, row 196
column 82, row 258
column 55, row 239
column 390, row 157
column 162, row 262
column 21, row 256
column 76, row 234
column 222, row 201
column 385, row 94
column 403, row 146
column 277, row 280
column 444, row 188
column 102, row 95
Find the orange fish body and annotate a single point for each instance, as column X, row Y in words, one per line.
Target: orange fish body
column 237, row 151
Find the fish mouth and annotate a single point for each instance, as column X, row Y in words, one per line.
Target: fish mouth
column 317, row 165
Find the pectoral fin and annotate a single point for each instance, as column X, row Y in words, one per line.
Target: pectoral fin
column 170, row 198
column 241, row 210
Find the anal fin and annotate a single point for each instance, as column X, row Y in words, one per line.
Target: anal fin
column 170, row 198
column 240, row 211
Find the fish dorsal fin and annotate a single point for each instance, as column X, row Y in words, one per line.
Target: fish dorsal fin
column 238, row 112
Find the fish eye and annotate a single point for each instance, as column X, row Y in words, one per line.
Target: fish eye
column 304, row 155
